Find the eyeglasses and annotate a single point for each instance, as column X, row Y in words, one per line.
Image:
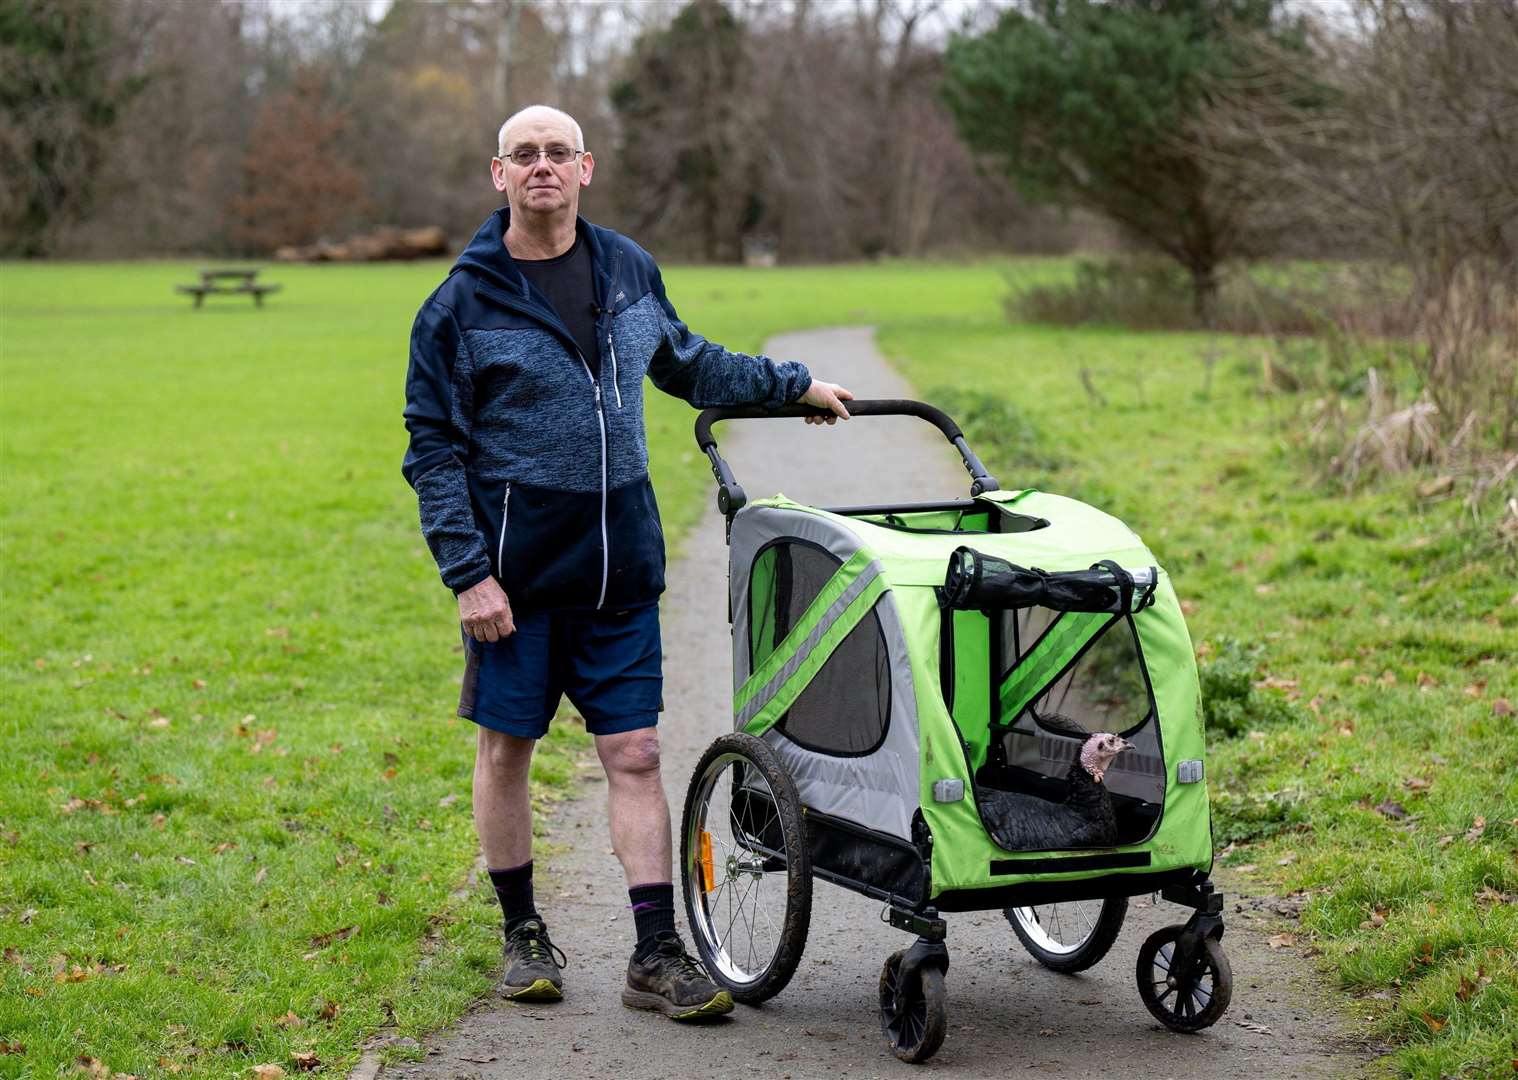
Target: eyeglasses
column 525, row 156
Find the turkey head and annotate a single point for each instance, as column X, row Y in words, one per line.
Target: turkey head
column 1098, row 751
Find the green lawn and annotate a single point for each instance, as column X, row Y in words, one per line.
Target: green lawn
column 228, row 662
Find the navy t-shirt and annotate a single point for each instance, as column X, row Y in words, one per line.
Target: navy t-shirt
column 567, row 283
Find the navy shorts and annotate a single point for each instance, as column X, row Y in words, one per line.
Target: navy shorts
column 609, row 663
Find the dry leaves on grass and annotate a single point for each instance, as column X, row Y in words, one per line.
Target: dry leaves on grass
column 1434, row 1023
column 305, row 1061
column 1281, row 941
column 290, row 1021
column 1391, row 808
column 1502, row 707
column 268, row 1072
column 12, row 1048
column 1476, row 831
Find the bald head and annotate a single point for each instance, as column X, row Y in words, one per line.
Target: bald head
column 537, row 116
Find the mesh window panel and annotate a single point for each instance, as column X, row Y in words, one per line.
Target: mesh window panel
column 1104, row 690
column 845, row 708
column 1020, row 630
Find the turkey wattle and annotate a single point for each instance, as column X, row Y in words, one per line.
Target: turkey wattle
column 1085, row 818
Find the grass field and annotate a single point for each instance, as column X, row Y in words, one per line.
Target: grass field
column 234, row 805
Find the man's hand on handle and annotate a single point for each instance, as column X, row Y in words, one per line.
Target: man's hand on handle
column 485, row 611
column 826, row 395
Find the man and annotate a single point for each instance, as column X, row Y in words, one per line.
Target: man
column 525, row 408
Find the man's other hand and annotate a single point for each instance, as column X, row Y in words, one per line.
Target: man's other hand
column 485, row 611
column 826, row 395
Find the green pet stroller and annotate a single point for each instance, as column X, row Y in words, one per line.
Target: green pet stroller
column 980, row 704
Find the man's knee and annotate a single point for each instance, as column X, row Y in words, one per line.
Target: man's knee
column 502, row 753
column 631, row 754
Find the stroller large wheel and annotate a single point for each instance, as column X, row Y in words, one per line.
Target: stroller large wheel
column 914, row 1011
column 1183, row 1000
column 744, row 867
column 1069, row 936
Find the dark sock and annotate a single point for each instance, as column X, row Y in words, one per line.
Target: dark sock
column 653, row 908
column 513, row 888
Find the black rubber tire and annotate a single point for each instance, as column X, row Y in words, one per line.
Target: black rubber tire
column 797, row 863
column 914, row 1019
column 1109, row 923
column 1211, row 966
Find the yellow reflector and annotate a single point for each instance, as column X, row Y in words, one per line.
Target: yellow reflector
column 708, row 875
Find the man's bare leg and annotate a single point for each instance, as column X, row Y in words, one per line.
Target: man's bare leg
column 638, row 809
column 503, row 818
column 502, row 809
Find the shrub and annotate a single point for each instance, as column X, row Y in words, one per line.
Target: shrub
column 1231, row 702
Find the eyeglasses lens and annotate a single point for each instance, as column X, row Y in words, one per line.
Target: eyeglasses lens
column 528, row 155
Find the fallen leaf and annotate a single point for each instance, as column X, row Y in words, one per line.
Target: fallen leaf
column 92, row 1066
column 321, row 941
column 1446, row 841
column 388, row 774
column 1465, row 990
column 306, row 1061
column 1247, row 868
column 1347, row 729
column 1416, row 783
column 258, row 878
column 1281, row 941
column 12, row 1048
column 223, row 848
column 1502, row 707
column 1272, row 682
column 1434, row 1023
column 1488, row 895
column 268, row 1072
column 448, row 800
column 1047, row 1031
column 1478, row 827
column 290, row 1021
column 1425, row 679
column 1425, row 953
column 1362, row 680
column 1287, row 859
column 330, row 1010
column 1388, row 677
column 1392, row 809
column 1441, row 485
column 26, row 916
column 185, row 859
column 1250, row 1025
column 1476, row 689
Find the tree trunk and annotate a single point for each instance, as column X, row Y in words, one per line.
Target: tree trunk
column 1204, row 294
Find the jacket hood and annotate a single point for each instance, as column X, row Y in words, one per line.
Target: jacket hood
column 486, row 254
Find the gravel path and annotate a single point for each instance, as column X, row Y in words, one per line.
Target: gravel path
column 1007, row 1015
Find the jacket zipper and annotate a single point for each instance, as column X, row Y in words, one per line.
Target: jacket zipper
column 612, row 346
column 507, row 302
column 500, row 547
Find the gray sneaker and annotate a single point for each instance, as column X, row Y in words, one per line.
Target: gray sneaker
column 532, row 964
column 669, row 981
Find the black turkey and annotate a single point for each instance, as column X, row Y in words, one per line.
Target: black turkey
column 1085, row 818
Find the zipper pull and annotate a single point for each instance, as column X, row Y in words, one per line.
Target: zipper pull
column 598, row 395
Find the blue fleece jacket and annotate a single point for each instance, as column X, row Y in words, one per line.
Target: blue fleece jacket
column 529, row 460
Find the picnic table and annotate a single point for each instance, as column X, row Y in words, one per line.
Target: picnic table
column 237, row 281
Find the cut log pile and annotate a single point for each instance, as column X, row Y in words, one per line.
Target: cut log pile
column 386, row 242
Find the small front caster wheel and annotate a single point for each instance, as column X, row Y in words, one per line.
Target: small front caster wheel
column 1188, row 999
column 913, row 1009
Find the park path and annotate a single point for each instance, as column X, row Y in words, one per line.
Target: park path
column 1007, row 1015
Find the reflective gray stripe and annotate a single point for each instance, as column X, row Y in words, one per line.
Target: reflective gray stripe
column 834, row 612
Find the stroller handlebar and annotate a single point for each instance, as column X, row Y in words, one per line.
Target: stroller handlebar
column 730, row 496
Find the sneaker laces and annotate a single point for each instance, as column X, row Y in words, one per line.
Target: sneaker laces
column 533, row 945
column 673, row 950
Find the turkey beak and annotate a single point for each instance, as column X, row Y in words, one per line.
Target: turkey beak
column 1124, row 744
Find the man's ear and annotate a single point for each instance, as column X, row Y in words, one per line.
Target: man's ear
column 498, row 173
column 587, row 166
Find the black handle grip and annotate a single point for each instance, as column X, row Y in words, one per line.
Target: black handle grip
column 730, row 497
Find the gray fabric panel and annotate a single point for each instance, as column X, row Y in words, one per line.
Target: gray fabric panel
column 880, row 790
column 755, row 526
column 829, row 617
